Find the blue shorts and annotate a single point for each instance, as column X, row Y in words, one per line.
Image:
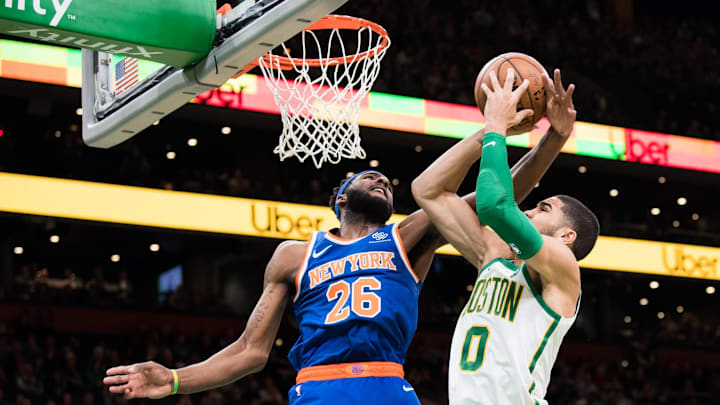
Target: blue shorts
column 362, row 391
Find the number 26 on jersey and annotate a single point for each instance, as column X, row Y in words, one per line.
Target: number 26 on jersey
column 363, row 301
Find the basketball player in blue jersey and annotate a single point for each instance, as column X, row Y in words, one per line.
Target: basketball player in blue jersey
column 354, row 291
column 527, row 292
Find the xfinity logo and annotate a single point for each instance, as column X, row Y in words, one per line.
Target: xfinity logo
column 60, row 8
column 44, row 34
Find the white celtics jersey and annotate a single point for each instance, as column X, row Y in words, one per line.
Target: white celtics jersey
column 505, row 341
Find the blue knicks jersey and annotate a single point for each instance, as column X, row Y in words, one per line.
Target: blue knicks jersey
column 355, row 300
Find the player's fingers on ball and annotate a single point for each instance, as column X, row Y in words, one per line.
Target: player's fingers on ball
column 494, row 81
column 486, row 89
column 548, row 84
column 517, row 93
column 509, row 79
column 520, row 116
column 528, row 112
column 558, row 81
column 523, row 86
column 570, row 91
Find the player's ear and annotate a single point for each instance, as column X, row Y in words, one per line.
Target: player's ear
column 342, row 200
column 567, row 235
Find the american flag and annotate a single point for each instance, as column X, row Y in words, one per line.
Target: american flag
column 126, row 74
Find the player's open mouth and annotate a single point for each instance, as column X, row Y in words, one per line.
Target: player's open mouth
column 378, row 190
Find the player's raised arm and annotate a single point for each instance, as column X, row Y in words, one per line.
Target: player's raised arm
column 452, row 216
column 248, row 354
column 418, row 235
column 560, row 111
column 496, row 206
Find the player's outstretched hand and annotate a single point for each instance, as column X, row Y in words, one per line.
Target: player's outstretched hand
column 501, row 107
column 140, row 380
column 560, row 109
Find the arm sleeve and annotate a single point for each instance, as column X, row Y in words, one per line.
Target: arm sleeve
column 495, row 203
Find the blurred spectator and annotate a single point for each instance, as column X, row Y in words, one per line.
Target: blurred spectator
column 575, row 381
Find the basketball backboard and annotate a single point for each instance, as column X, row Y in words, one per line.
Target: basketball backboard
column 248, row 31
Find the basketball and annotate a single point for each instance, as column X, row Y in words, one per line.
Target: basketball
column 526, row 67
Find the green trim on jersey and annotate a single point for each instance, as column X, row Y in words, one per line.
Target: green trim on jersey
column 540, row 348
column 532, row 387
column 538, row 296
column 510, row 265
column 553, row 314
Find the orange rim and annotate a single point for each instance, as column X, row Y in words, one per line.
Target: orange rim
column 330, row 22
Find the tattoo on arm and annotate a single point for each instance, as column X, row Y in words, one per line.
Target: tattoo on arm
column 261, row 310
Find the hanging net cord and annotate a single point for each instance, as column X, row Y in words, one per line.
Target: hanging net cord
column 320, row 106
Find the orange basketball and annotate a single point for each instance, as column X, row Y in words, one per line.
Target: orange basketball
column 526, row 67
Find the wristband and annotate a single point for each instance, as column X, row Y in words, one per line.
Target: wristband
column 175, row 382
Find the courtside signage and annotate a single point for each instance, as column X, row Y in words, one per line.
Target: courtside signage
column 57, row 65
column 44, row 196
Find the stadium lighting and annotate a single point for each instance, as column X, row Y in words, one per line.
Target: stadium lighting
column 156, row 123
column 655, row 211
column 676, row 224
column 469, row 287
column 582, row 169
column 624, row 364
column 18, row 250
column 226, row 130
column 374, row 163
column 710, row 290
column 680, row 309
column 661, row 315
column 349, row 174
column 662, row 179
column 154, row 247
column 695, row 216
column 58, row 134
column 279, row 342
column 395, row 182
column 170, row 155
column 682, row 201
column 654, row 285
column 418, row 148
column 115, row 258
column 54, row 239
column 79, row 111
column 644, row 301
column 614, row 192
column 627, row 319
column 192, row 142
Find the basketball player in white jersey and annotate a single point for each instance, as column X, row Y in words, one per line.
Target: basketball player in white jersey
column 528, row 288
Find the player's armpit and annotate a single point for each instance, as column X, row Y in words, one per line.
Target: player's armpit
column 249, row 353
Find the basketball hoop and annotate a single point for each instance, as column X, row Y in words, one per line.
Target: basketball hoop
column 319, row 94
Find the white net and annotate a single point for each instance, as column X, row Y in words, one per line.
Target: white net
column 320, row 98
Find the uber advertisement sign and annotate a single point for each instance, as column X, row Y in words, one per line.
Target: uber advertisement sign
column 34, row 195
